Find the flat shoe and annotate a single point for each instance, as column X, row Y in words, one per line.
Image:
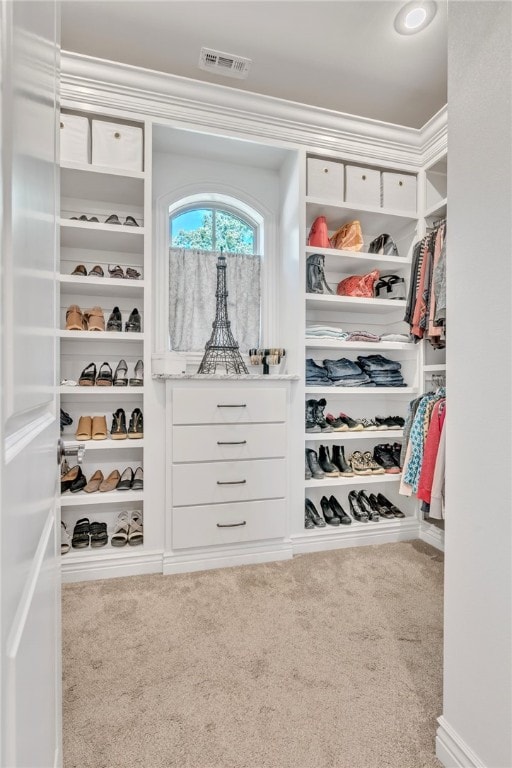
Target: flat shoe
column 126, row 480
column 99, row 428
column 81, row 534
column 84, row 429
column 70, row 477
column 94, row 483
column 110, row 484
column 135, row 532
column 138, row 480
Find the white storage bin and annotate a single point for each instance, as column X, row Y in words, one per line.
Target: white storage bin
column 116, row 146
column 75, row 139
column 362, row 186
column 325, row 179
column 399, row 192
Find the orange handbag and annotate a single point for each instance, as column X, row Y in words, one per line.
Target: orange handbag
column 318, row 234
column 360, row 286
column 348, row 237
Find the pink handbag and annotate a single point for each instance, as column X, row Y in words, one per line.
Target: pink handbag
column 358, row 285
column 318, row 234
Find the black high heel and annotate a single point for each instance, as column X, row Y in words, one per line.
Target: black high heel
column 133, row 324
column 386, row 503
column 330, row 517
column 339, row 511
column 364, row 501
column 104, row 378
column 88, row 376
column 313, row 514
column 357, row 511
column 380, row 508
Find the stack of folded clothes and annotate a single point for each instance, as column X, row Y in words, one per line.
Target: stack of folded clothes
column 362, row 336
column 318, row 331
column 381, row 371
column 316, row 375
column 345, row 373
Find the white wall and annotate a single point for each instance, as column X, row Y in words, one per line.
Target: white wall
column 476, row 726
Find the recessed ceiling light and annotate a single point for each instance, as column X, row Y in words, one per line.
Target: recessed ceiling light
column 415, row 16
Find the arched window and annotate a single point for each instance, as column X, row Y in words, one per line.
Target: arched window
column 199, row 229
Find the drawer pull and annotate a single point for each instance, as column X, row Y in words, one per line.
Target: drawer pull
column 231, row 442
column 231, row 482
column 227, row 405
column 231, row 525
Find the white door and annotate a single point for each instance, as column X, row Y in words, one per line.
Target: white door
column 29, row 427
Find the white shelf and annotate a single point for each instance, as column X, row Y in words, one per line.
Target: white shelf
column 328, row 302
column 100, row 391
column 103, row 445
column 101, row 237
column 369, row 528
column 93, row 286
column 90, row 554
column 101, row 169
column 360, row 480
column 369, row 345
column 441, row 367
column 336, row 437
column 439, row 209
column 360, row 390
column 373, row 220
column 93, row 499
column 353, row 260
column 103, row 335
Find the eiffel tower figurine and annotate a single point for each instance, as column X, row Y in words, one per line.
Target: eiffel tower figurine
column 221, row 348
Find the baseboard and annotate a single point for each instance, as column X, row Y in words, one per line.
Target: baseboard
column 452, row 750
column 371, row 533
column 109, row 565
column 203, row 561
column 432, row 535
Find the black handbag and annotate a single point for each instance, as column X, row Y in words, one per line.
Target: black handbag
column 389, row 287
column 383, row 245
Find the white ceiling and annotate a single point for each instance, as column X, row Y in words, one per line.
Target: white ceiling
column 337, row 54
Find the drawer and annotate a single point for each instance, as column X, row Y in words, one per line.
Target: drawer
column 362, row 186
column 220, row 524
column 228, row 442
column 325, row 179
column 227, row 405
column 399, row 191
column 218, row 482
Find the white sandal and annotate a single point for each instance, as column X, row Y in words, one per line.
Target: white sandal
column 120, row 535
column 135, row 534
column 65, row 538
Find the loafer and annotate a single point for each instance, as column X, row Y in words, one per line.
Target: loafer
column 115, row 321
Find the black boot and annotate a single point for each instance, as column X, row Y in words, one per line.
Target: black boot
column 311, row 425
column 313, row 464
column 319, row 416
column 327, row 512
column 325, row 462
column 338, row 459
column 396, row 450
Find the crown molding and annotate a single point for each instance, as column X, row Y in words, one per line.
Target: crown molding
column 434, row 135
column 88, row 83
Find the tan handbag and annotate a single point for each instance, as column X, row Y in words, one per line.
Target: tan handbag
column 348, row 237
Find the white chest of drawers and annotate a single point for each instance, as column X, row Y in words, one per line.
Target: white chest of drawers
column 227, row 477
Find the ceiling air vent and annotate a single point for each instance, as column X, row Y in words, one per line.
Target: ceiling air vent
column 224, row 63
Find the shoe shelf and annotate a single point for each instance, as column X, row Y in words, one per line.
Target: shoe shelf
column 435, row 367
column 369, row 345
column 116, row 336
column 101, row 237
column 384, row 524
column 363, row 434
column 104, row 445
column 326, row 302
column 92, row 499
column 355, row 260
column 76, row 556
column 329, row 482
column 310, row 390
column 81, row 168
column 100, row 391
column 91, row 182
column 371, row 218
column 93, row 286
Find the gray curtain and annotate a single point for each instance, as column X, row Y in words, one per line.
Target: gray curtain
column 192, row 285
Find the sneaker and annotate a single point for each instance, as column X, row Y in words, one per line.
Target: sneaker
column 319, row 415
column 358, row 464
column 369, row 424
column 396, row 449
column 337, row 424
column 373, row 466
column 352, row 424
column 383, row 455
column 311, row 425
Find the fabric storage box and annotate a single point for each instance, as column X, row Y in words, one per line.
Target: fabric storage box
column 75, row 139
column 116, row 146
column 325, row 178
column 362, row 186
column 399, row 191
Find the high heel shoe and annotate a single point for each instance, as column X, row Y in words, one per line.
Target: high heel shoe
column 364, row 501
column 120, row 375
column 339, row 511
column 133, row 324
column 118, row 429
column 75, row 320
column 115, row 321
column 329, row 516
column 95, row 319
column 104, row 378
column 138, row 375
column 310, row 511
column 358, row 513
column 88, row 376
column 386, row 503
column 136, row 427
column 380, row 508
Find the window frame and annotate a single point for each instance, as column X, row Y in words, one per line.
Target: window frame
column 218, row 207
column 243, row 205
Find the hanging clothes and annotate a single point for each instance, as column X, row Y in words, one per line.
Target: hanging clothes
column 426, row 302
column 431, row 450
column 422, row 412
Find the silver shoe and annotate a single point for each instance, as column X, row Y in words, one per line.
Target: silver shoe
column 138, row 377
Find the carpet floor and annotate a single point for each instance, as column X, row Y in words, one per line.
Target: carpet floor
column 329, row 660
